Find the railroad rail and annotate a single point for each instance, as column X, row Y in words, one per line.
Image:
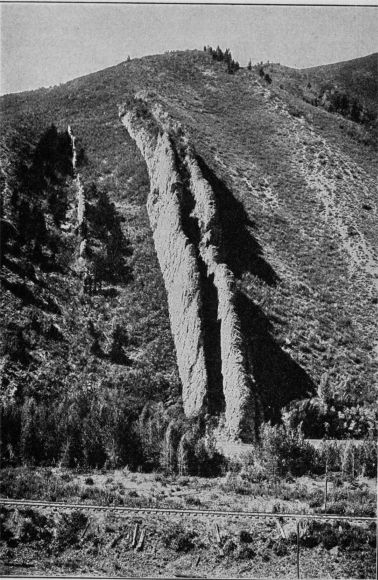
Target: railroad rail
column 124, row 510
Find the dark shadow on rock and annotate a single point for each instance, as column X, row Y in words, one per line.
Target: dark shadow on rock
column 241, row 250
column 279, row 379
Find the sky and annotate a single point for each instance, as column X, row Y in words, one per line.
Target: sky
column 47, row 44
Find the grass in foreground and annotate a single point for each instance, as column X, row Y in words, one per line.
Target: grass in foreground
column 82, row 542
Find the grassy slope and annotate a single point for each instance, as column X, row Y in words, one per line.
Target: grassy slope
column 260, row 142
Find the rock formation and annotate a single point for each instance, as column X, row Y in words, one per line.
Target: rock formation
column 177, row 258
column 187, row 232
column 237, row 383
column 81, row 210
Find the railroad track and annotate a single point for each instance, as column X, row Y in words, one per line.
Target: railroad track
column 125, row 511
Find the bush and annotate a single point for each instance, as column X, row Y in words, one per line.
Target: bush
column 337, row 533
column 245, row 537
column 194, row 501
column 179, row 539
column 280, row 547
column 229, row 547
column 316, row 499
column 284, row 450
column 234, row 483
column 245, row 553
column 26, row 526
column 333, row 417
column 69, row 529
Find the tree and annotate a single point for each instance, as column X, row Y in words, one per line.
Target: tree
column 249, row 65
column 34, row 176
column 268, row 78
column 73, row 423
column 110, row 247
column 356, row 111
column 119, row 339
column 30, row 447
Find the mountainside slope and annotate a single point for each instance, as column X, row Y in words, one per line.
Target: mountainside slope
column 359, row 76
column 348, row 89
column 295, row 190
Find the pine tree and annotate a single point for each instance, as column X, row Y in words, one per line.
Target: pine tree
column 73, row 455
column 184, row 452
column 119, row 339
column 29, row 434
column 268, row 78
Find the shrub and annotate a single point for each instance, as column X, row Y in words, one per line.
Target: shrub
column 195, row 501
column 280, row 547
column 179, row 539
column 34, row 526
column 337, row 533
column 229, row 547
column 245, row 553
column 283, row 450
column 69, row 529
column 234, row 483
column 333, row 417
column 337, row 507
column 245, row 537
column 316, row 499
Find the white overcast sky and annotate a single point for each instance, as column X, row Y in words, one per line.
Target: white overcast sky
column 46, row 44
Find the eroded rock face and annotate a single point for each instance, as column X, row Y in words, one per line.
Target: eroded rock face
column 80, row 204
column 187, row 232
column 177, row 258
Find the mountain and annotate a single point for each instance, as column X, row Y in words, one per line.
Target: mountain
column 189, row 250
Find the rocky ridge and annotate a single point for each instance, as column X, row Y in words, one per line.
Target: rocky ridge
column 187, row 231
